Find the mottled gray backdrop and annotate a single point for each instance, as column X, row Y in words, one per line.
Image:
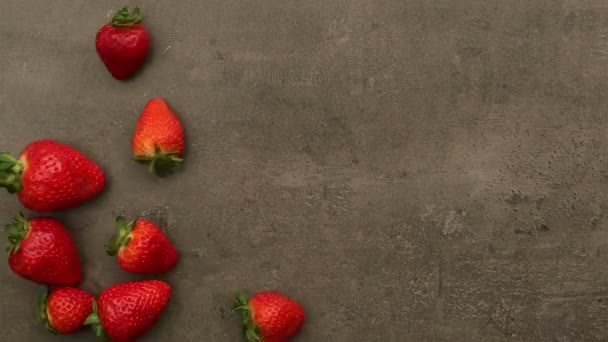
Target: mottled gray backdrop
column 410, row 170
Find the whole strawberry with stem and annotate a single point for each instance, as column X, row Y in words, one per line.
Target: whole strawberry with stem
column 42, row 250
column 269, row 316
column 158, row 139
column 50, row 176
column 126, row 311
column 123, row 44
column 64, row 310
column 141, row 247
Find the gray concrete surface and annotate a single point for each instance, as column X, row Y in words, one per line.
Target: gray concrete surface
column 424, row 170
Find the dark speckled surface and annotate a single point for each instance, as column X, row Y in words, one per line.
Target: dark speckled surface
column 408, row 170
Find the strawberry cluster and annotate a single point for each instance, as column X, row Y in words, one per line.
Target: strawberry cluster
column 50, row 176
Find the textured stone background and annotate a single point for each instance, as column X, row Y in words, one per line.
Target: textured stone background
column 421, row 170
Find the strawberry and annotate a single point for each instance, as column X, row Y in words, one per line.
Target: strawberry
column 269, row 316
column 123, row 44
column 159, row 138
column 65, row 309
column 141, row 247
column 128, row 310
column 50, row 176
column 42, row 250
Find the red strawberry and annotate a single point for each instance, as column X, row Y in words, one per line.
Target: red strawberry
column 142, row 247
column 126, row 311
column 65, row 309
column 123, row 44
column 43, row 251
column 159, row 138
column 269, row 316
column 50, row 176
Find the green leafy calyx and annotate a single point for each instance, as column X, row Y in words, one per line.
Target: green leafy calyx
column 43, row 314
column 123, row 18
column 122, row 237
column 16, row 231
column 251, row 329
column 161, row 163
column 11, row 170
column 95, row 323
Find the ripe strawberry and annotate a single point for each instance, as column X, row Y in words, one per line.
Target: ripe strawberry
column 123, row 44
column 42, row 250
column 65, row 309
column 50, row 176
column 128, row 310
column 159, row 138
column 269, row 316
column 141, row 247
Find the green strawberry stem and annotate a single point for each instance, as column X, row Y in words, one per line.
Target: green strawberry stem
column 252, row 330
column 16, row 231
column 123, row 18
column 43, row 315
column 121, row 237
column 161, row 163
column 10, row 172
column 95, row 323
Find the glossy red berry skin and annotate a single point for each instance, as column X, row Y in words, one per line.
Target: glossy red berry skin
column 142, row 247
column 123, row 45
column 65, row 309
column 270, row 316
column 43, row 252
column 128, row 310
